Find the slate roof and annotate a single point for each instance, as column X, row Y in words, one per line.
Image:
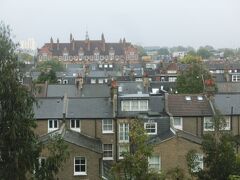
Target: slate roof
column 228, row 87
column 177, row 105
column 228, row 103
column 75, row 138
column 48, row 108
column 130, row 87
column 89, row 108
column 88, row 90
column 156, row 104
column 117, row 47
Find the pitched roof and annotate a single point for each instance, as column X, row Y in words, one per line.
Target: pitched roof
column 177, row 105
column 227, row 103
column 89, row 108
column 47, row 108
column 228, row 87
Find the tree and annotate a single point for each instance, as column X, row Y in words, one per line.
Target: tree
column 190, row 58
column 204, row 53
column 220, row 160
column 58, row 153
column 163, row 51
column 193, row 80
column 25, row 57
column 53, row 64
column 141, row 50
column 135, row 162
column 19, row 146
column 229, row 53
column 47, row 76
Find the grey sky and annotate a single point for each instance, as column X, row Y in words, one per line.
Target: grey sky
column 146, row 22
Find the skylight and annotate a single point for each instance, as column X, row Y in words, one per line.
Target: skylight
column 200, row 98
column 188, row 98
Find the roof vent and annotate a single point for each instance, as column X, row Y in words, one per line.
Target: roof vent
column 188, row 98
column 200, row 98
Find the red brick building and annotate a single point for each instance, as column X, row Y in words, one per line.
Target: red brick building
column 82, row 51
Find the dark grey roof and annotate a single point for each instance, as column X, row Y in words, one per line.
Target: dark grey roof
column 189, row 136
column 83, row 141
column 228, row 103
column 156, row 104
column 161, row 138
column 219, row 77
column 49, row 108
column 228, row 87
column 88, row 90
column 130, row 87
column 75, row 138
column 90, row 108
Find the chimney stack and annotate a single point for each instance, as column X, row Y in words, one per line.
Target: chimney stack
column 57, row 44
column 51, row 43
column 103, row 42
column 114, row 89
column 73, row 45
column 71, row 37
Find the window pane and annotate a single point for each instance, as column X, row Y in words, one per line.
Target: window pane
column 72, row 123
column 77, row 124
column 50, row 123
column 55, row 123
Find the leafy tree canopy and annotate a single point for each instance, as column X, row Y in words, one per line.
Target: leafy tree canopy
column 190, row 58
column 135, row 161
column 53, row 64
column 204, row 53
column 193, row 80
column 47, row 76
column 163, row 51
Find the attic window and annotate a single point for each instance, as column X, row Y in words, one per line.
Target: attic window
column 199, row 98
column 119, row 89
column 188, row 98
column 155, row 90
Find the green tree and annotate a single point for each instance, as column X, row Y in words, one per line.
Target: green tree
column 220, row 159
column 19, row 146
column 53, row 64
column 58, row 153
column 229, row 53
column 192, row 80
column 135, row 162
column 189, row 59
column 163, row 51
column 47, row 76
column 141, row 50
column 204, row 53
column 25, row 57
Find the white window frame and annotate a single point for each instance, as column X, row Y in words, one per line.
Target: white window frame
column 65, row 81
column 80, row 173
column 93, row 81
column 125, row 132
column 107, row 151
column 134, row 105
column 235, row 78
column 206, row 120
column 199, row 159
column 122, row 148
column 107, row 124
column 75, row 128
column 180, row 127
column 154, row 163
column 53, row 128
column 150, row 128
column 228, row 124
column 100, row 81
column 172, row 79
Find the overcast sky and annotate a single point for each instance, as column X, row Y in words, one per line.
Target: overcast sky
column 145, row 22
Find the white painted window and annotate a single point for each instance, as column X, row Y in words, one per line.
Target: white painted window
column 208, row 124
column 178, row 123
column 42, row 161
column 80, row 166
column 134, row 105
column 65, row 81
column 122, row 148
column 93, row 81
column 123, row 132
column 75, row 125
column 100, row 81
column 105, row 65
column 198, row 161
column 107, row 126
column 110, row 66
column 171, row 71
column 154, row 163
column 138, row 79
column 227, row 124
column 59, row 81
column 107, row 152
column 52, row 125
column 235, row 78
column 200, row 98
column 188, row 98
column 106, row 80
column 151, row 128
column 100, row 65
column 172, row 79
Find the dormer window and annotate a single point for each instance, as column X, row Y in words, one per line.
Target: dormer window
column 65, row 56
